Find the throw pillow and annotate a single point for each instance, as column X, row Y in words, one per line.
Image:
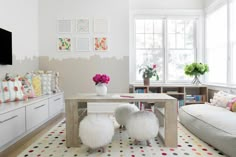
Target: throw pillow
column 53, row 81
column 46, row 80
column 29, row 77
column 36, row 82
column 28, row 88
column 232, row 105
column 5, row 90
column 221, row 99
column 1, row 93
column 16, row 89
column 12, row 90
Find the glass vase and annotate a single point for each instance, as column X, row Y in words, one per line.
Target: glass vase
column 101, row 89
column 196, row 80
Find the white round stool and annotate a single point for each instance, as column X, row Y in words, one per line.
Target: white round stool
column 96, row 131
column 142, row 126
column 123, row 112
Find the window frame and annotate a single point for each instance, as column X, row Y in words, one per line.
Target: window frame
column 211, row 10
column 161, row 49
column 195, row 47
column 213, row 7
column 158, row 14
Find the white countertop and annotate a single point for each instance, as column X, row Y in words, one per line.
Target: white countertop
column 7, row 107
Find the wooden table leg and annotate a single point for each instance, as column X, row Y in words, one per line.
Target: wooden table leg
column 72, row 124
column 171, row 131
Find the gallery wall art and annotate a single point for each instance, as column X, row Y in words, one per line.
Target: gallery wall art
column 100, row 25
column 82, row 25
column 64, row 44
column 100, row 44
column 76, row 35
column 82, row 44
column 64, row 26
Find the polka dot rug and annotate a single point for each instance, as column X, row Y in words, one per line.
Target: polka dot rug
column 53, row 144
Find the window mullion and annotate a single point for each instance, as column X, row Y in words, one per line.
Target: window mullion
column 164, row 35
column 195, row 44
column 229, row 61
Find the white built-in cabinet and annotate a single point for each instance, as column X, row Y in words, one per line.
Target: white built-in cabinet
column 18, row 119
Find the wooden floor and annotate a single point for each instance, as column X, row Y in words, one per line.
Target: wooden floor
column 21, row 145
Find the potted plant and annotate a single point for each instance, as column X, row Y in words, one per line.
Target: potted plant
column 148, row 72
column 196, row 69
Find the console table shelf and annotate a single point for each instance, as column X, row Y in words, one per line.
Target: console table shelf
column 186, row 94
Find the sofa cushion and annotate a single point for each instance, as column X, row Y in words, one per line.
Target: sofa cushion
column 221, row 99
column 214, row 125
column 217, row 117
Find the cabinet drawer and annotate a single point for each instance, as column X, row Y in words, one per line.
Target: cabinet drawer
column 36, row 113
column 12, row 125
column 55, row 105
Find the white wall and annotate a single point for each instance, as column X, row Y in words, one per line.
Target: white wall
column 166, row 4
column 207, row 3
column 21, row 18
column 115, row 11
column 77, row 68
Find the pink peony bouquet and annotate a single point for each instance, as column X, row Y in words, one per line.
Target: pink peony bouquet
column 101, row 78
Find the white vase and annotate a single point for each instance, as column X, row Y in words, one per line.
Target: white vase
column 101, row 89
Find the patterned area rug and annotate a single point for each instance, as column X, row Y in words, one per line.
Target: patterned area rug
column 53, row 144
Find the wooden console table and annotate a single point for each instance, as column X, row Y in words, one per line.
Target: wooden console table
column 168, row 131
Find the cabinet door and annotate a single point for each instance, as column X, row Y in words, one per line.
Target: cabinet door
column 12, row 125
column 55, row 105
column 36, row 114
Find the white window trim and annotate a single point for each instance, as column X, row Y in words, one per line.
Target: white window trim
column 164, row 13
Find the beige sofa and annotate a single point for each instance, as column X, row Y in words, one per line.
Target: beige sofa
column 214, row 125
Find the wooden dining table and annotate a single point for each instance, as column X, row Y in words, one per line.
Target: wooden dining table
column 165, row 108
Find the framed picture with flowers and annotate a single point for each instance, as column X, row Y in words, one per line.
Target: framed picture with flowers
column 64, row 44
column 101, row 44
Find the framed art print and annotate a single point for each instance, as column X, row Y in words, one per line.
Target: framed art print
column 64, row 44
column 100, row 25
column 64, row 26
column 101, row 44
column 82, row 25
column 83, row 44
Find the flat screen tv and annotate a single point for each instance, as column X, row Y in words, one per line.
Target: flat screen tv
column 5, row 47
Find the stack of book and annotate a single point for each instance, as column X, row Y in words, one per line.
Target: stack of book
column 141, row 90
column 195, row 98
column 180, row 103
column 190, row 98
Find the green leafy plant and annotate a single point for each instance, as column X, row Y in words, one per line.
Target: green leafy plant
column 148, row 71
column 196, row 69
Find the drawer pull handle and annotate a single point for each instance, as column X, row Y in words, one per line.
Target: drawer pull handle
column 39, row 106
column 9, row 119
column 57, row 99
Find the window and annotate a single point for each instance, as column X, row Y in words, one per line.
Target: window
column 149, row 45
column 168, row 43
column 233, row 39
column 181, row 47
column 216, row 45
